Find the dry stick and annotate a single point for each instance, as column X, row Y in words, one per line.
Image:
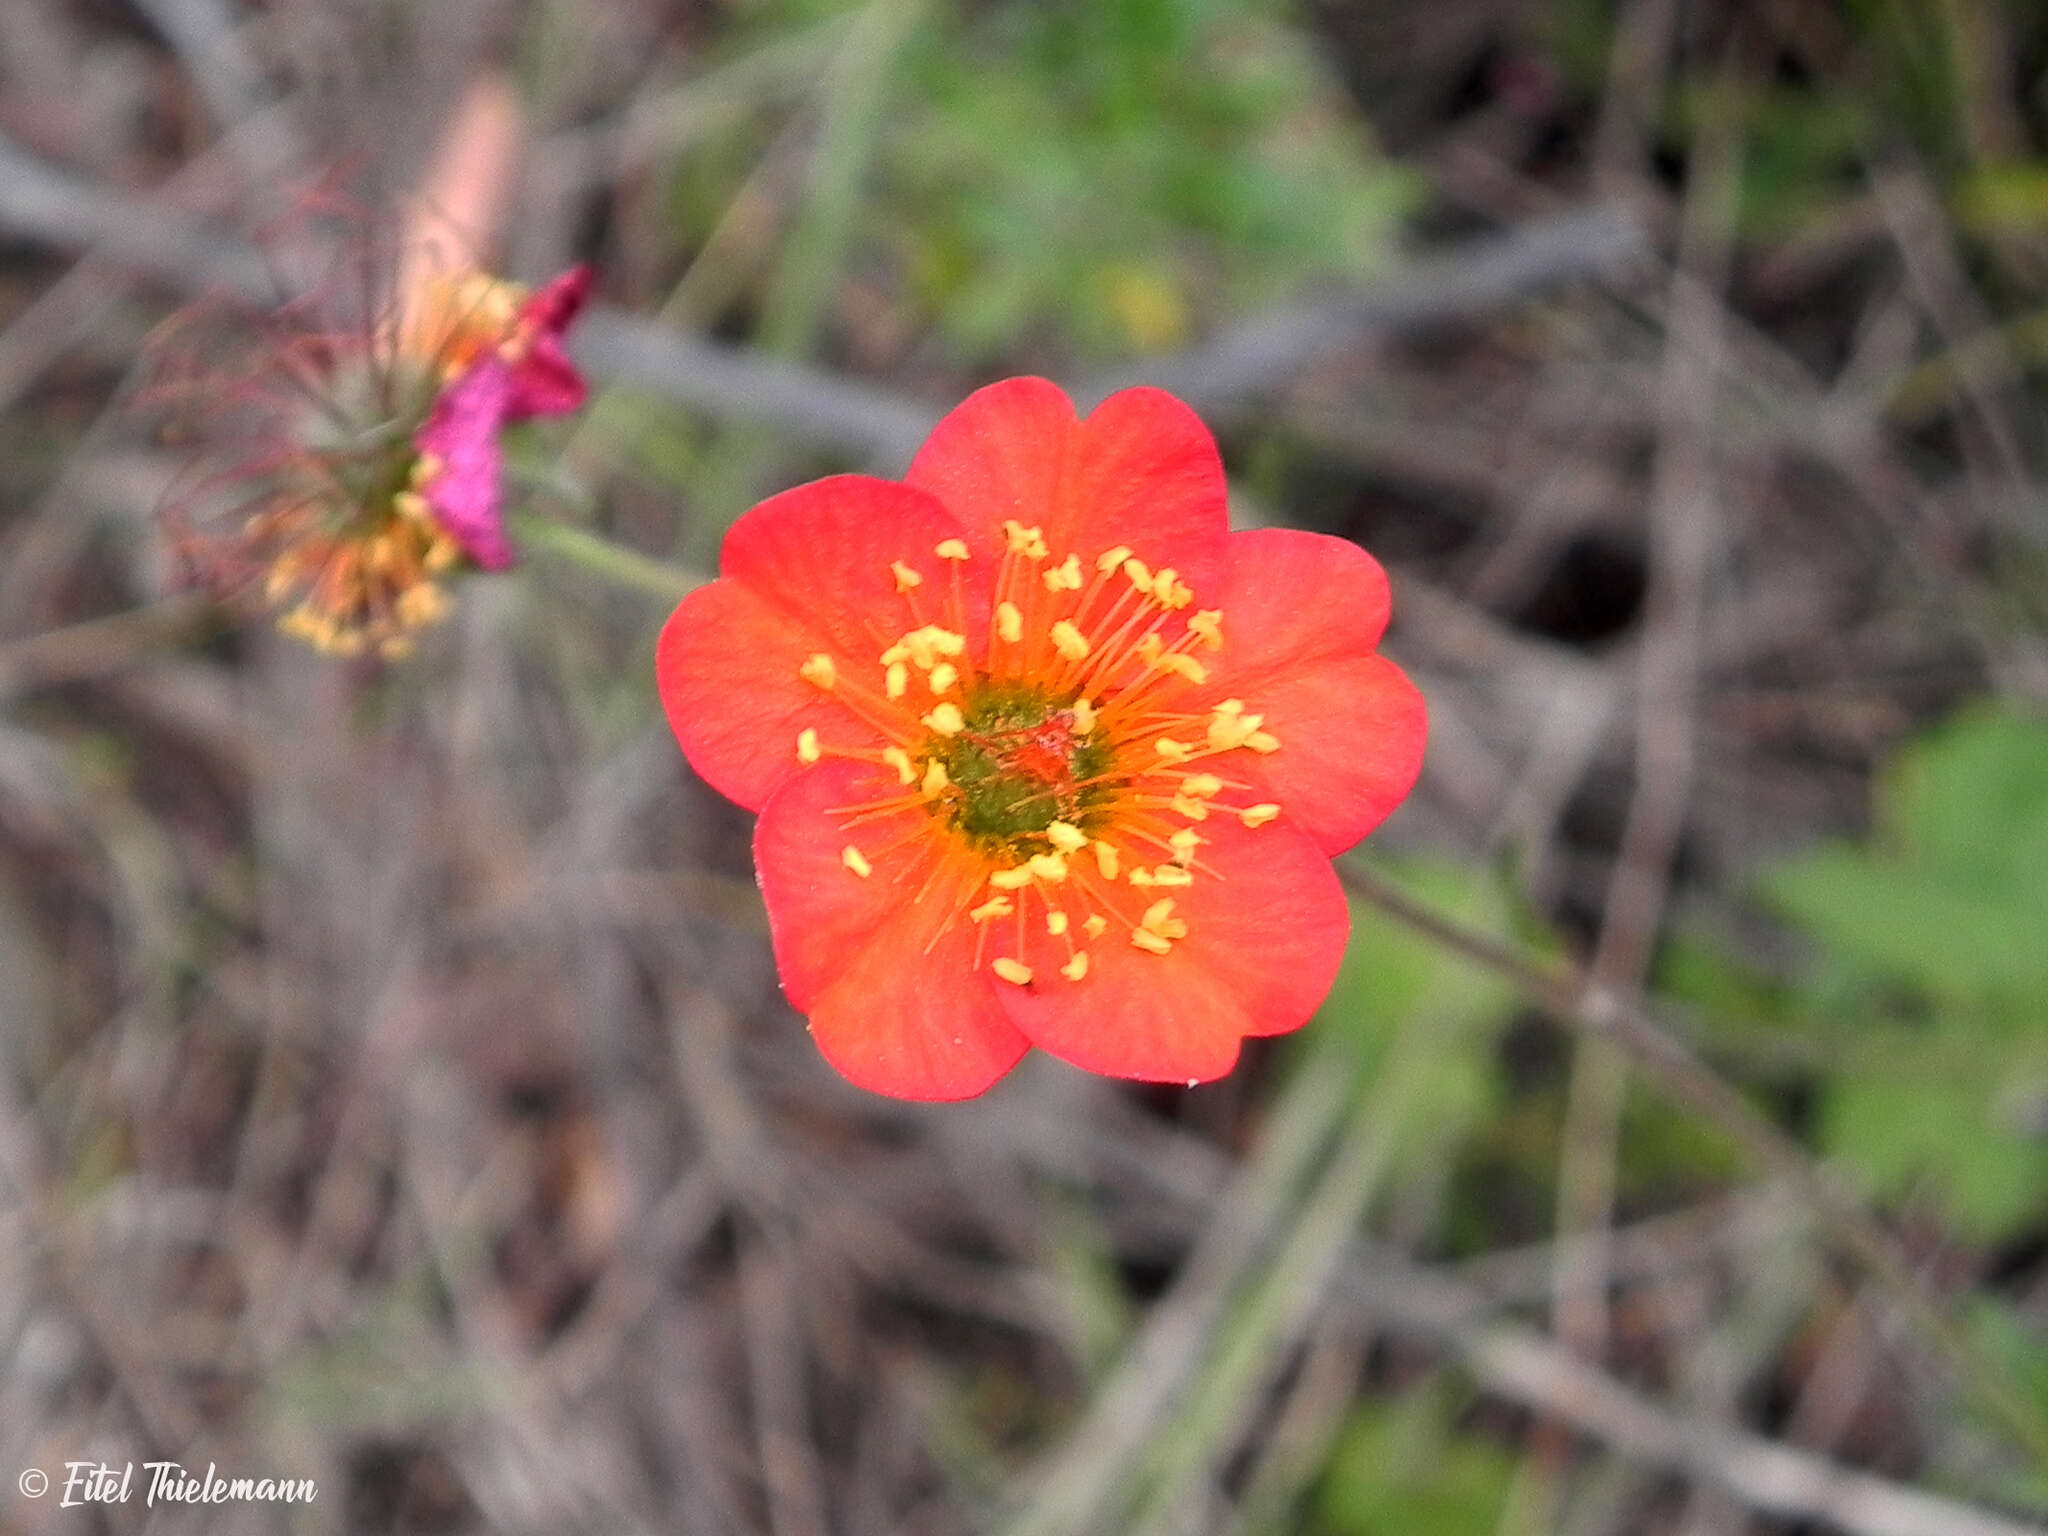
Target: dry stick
column 1573, row 998
column 1519, row 1364
column 1682, row 521
column 94, row 647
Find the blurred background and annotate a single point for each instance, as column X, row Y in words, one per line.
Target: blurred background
column 394, row 1086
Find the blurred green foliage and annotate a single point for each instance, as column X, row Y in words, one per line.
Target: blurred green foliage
column 1104, row 175
column 1928, row 976
column 1403, row 1469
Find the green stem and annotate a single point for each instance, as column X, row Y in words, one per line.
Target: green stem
column 602, row 558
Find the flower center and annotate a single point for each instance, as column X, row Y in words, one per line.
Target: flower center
column 1076, row 760
column 1019, row 765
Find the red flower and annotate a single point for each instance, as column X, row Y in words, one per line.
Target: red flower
column 1043, row 753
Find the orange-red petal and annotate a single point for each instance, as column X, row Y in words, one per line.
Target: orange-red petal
column 883, row 964
column 1301, row 619
column 804, row 572
column 1141, row 470
column 1266, row 931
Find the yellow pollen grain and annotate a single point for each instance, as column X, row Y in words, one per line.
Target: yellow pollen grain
column 1163, row 582
column 1055, row 923
column 1016, row 972
column 1190, row 807
column 943, row 676
column 1159, row 919
column 1028, row 542
column 851, row 857
column 1173, row 751
column 1185, row 666
column 896, row 680
column 1179, row 597
column 1084, row 717
column 1106, row 861
column 1064, row 577
column 1069, row 641
column 1204, row 786
column 819, row 670
column 1139, row 574
column 899, row 759
column 1263, row 741
column 1047, row 866
column 1095, row 925
column 1066, row 837
column 1228, row 706
column 993, row 908
column 1142, row 878
column 1011, row 879
column 951, row 549
column 807, row 749
column 1110, row 559
column 946, row 719
column 906, row 578
column 1227, row 731
column 413, row 505
column 1151, row 648
column 1145, row 939
column 1258, row 815
column 1171, row 874
column 935, row 779
column 1077, row 967
column 1184, row 843
column 1208, row 623
column 1009, row 622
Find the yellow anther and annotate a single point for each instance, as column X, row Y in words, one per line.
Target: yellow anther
column 1140, row 574
column 1055, row 923
column 1204, row 786
column 951, row 549
column 935, row 779
column 1171, row 874
column 1066, row 837
column 1016, row 972
column 1163, row 582
column 1069, row 641
column 1011, row 879
column 1159, row 919
column 1190, row 807
column 1084, row 717
column 1173, row 751
column 1232, row 730
column 896, row 680
column 1095, row 925
column 1047, row 866
column 906, row 578
column 850, row 856
column 1106, row 861
column 1179, row 596
column 1151, row 648
column 1185, row 666
column 1009, row 622
column 897, row 652
column 946, row 719
column 1064, row 577
column 1208, row 623
column 807, row 749
column 1258, row 815
column 1110, row 559
column 943, row 676
column 1263, row 741
column 1077, row 967
column 413, row 505
column 425, row 470
column 1184, row 843
column 899, row 759
column 1016, row 537
column 1229, row 706
column 993, row 908
column 924, row 646
column 1142, row 878
column 1146, row 939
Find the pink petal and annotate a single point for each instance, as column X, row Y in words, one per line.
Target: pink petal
column 462, row 433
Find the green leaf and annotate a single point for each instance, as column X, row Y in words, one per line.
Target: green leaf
column 1404, row 1470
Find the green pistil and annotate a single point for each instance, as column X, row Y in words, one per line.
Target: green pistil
column 1018, row 767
